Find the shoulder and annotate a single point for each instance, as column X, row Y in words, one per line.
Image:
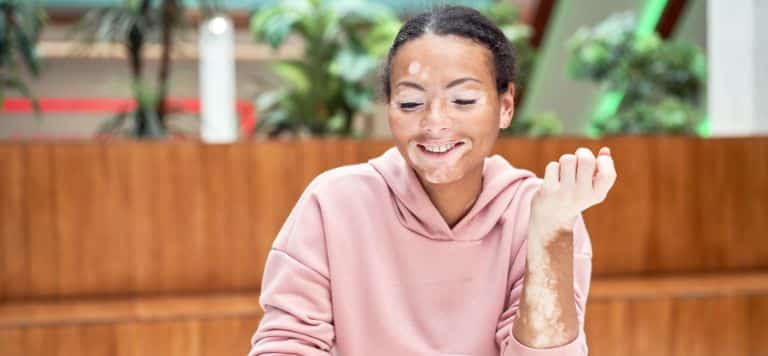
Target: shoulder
column 349, row 180
column 505, row 178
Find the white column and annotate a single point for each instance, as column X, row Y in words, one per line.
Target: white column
column 217, row 81
column 737, row 46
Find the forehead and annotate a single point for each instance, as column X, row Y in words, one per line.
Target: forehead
column 444, row 56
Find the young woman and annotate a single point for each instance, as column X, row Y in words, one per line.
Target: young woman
column 434, row 248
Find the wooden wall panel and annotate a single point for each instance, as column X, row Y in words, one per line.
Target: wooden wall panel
column 94, row 219
column 195, row 337
column 678, row 326
column 13, row 256
column 733, row 195
column 273, row 195
column 81, row 182
column 39, row 221
column 732, row 325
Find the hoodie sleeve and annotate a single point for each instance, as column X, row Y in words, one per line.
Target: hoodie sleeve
column 295, row 292
column 582, row 271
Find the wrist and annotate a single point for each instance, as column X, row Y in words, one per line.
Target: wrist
column 546, row 238
column 549, row 227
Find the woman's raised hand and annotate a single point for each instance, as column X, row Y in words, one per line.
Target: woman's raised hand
column 572, row 185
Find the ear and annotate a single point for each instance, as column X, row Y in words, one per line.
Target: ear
column 506, row 106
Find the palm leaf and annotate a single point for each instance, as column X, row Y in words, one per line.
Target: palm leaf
column 26, row 48
column 5, row 42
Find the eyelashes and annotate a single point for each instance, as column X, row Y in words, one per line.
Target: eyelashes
column 464, row 102
column 411, row 105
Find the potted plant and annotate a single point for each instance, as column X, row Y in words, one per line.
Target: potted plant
column 507, row 16
column 332, row 82
column 20, row 25
column 134, row 23
column 659, row 83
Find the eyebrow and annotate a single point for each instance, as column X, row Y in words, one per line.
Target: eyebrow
column 453, row 83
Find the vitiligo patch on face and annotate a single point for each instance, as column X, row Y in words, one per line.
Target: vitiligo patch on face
column 414, row 68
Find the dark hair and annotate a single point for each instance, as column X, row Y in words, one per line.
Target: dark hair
column 459, row 21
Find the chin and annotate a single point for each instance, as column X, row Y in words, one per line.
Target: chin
column 442, row 176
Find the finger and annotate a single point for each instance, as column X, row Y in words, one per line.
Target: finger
column 552, row 174
column 568, row 169
column 606, row 174
column 585, row 168
column 604, row 151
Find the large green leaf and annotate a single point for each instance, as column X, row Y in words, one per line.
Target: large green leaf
column 381, row 36
column 359, row 98
column 294, row 73
column 273, row 25
column 352, row 65
column 336, row 123
column 268, row 100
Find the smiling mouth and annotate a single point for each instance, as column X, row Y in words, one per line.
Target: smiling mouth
column 438, row 150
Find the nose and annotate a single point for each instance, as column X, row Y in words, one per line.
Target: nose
column 434, row 121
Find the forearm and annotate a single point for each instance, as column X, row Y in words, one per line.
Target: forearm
column 547, row 312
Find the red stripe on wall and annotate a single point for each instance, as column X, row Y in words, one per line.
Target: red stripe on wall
column 114, row 105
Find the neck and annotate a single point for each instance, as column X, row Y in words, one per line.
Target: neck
column 454, row 200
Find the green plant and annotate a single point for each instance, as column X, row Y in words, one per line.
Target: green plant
column 540, row 124
column 134, row 23
column 20, row 25
column 507, row 16
column 662, row 81
column 331, row 83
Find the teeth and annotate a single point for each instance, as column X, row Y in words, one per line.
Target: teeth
column 439, row 148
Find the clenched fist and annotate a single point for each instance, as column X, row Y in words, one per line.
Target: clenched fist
column 570, row 186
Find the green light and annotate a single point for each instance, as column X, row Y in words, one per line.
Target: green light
column 650, row 16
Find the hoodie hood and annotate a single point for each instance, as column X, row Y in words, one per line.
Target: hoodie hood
column 417, row 212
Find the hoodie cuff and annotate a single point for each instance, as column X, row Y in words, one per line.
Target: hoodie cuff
column 577, row 347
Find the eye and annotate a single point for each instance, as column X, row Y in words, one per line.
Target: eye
column 464, row 102
column 409, row 105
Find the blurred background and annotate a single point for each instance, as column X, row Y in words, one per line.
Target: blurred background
column 150, row 150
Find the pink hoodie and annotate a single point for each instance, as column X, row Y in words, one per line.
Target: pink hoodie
column 365, row 265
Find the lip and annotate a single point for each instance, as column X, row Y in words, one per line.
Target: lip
column 457, row 144
column 439, row 143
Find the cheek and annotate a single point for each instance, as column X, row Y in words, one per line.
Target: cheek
column 480, row 123
column 402, row 126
